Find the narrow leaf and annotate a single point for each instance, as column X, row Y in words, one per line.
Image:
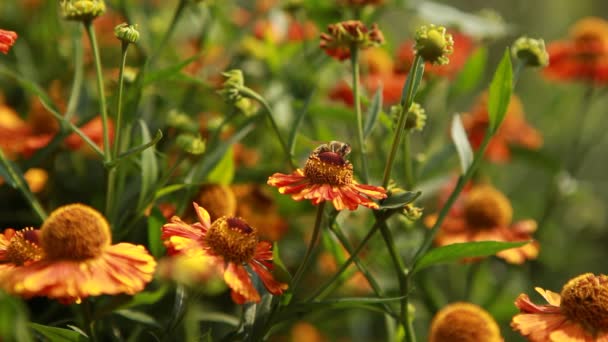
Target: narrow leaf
column 149, row 166
column 138, row 316
column 155, row 222
column 372, row 113
column 458, row 251
column 413, row 80
column 472, row 72
column 500, row 92
column 461, row 141
column 297, row 123
column 57, row 334
column 399, row 200
column 224, row 170
column 168, row 72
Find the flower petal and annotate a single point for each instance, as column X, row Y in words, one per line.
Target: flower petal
column 238, row 280
column 273, row 286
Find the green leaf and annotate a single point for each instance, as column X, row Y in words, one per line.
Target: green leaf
column 413, row 80
column 13, row 319
column 458, row 251
column 149, row 166
column 138, row 316
column 297, row 123
column 372, row 113
column 399, row 200
column 223, row 173
column 7, row 177
column 472, row 72
column 300, row 310
column 461, row 141
column 500, row 92
column 173, row 188
column 57, row 334
column 168, row 72
column 155, row 222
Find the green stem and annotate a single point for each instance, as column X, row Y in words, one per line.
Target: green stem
column 311, row 246
column 247, row 92
column 406, row 101
column 354, row 59
column 347, row 263
column 112, row 174
column 102, row 97
column 407, row 156
column 23, row 187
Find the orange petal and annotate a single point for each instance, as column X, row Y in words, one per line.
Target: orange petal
column 203, row 215
column 239, row 281
column 571, row 332
column 537, row 327
column 273, row 286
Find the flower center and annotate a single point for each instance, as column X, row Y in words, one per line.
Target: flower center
column 75, row 232
column 585, row 300
column 485, row 207
column 23, row 248
column 328, row 168
column 464, row 322
column 233, row 239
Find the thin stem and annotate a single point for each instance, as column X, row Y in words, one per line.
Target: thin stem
column 407, row 156
column 311, row 246
column 176, row 15
column 346, row 264
column 406, row 101
column 112, row 174
column 102, row 97
column 23, row 187
column 252, row 94
column 354, row 59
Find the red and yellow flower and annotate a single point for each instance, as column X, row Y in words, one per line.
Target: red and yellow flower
column 482, row 213
column 328, row 176
column 578, row 314
column 343, row 36
column 229, row 244
column 7, row 40
column 79, row 260
column 464, row 322
column 514, row 130
column 18, row 248
column 582, row 57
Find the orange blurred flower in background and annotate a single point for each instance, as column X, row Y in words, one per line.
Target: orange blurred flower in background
column 328, row 176
column 579, row 313
column 257, row 207
column 79, row 260
column 482, row 213
column 514, row 130
column 227, row 245
column 7, row 40
column 582, row 57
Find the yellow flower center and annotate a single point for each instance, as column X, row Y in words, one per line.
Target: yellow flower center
column 464, row 322
column 585, row 300
column 485, row 207
column 328, row 168
column 23, row 248
column 233, row 239
column 75, row 232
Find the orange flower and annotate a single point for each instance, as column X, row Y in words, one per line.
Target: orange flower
column 328, row 176
column 463, row 47
column 464, row 322
column 257, row 207
column 583, row 57
column 18, row 248
column 230, row 244
column 392, row 86
column 514, row 130
column 346, row 34
column 7, row 40
column 92, row 129
column 578, row 314
column 17, row 137
column 482, row 213
column 79, row 260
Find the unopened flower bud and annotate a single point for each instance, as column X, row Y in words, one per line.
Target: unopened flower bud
column 127, row 33
column 433, row 44
column 416, row 118
column 181, row 121
column 190, row 143
column 231, row 88
column 412, row 212
column 82, row 10
column 531, row 51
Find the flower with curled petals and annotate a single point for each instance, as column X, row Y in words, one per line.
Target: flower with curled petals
column 7, row 40
column 328, row 176
column 79, row 260
column 578, row 314
column 231, row 245
column 464, row 322
column 483, row 213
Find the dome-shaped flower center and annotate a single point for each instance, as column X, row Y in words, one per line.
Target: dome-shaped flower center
column 486, row 207
column 233, row 239
column 23, row 248
column 585, row 300
column 464, row 322
column 328, row 168
column 75, row 232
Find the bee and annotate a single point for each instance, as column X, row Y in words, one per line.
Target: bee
column 340, row 148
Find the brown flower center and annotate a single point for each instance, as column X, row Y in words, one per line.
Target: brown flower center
column 328, row 168
column 464, row 322
column 233, row 239
column 75, row 232
column 23, row 248
column 485, row 207
column 585, row 300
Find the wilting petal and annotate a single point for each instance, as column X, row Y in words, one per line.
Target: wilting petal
column 273, row 286
column 238, row 280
